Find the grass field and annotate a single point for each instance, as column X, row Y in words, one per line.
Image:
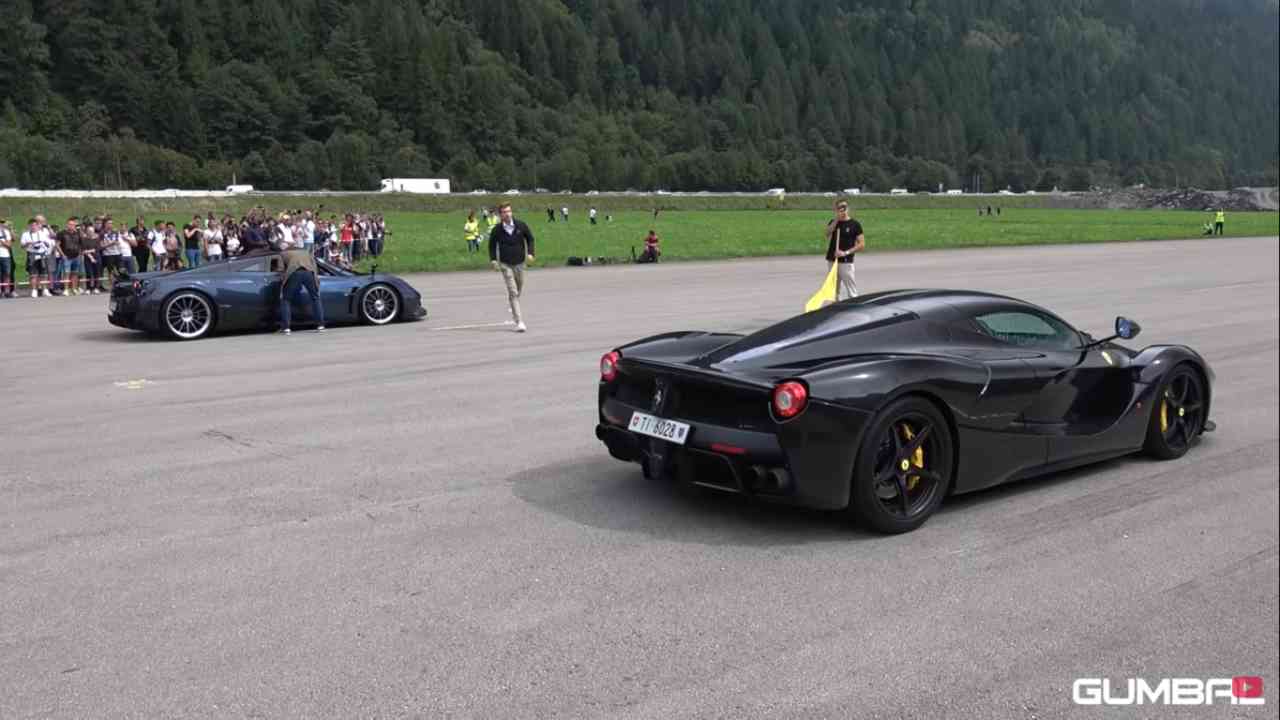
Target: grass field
column 433, row 241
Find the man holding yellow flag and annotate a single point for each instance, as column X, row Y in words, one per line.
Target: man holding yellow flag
column 844, row 239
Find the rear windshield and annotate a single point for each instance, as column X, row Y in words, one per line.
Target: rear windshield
column 829, row 322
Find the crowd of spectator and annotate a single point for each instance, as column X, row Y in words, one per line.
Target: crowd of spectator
column 85, row 255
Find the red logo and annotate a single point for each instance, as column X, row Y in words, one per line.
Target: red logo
column 1246, row 686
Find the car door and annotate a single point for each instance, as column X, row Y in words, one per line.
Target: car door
column 244, row 292
column 997, row 424
column 1080, row 391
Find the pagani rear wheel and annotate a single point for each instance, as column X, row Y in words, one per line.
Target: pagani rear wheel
column 1177, row 417
column 903, row 467
column 379, row 304
column 187, row 315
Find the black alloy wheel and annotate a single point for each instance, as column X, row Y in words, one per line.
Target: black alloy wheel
column 903, row 467
column 1177, row 418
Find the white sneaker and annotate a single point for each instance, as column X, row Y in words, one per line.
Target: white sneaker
column 286, row 331
column 320, row 329
column 520, row 327
column 35, row 293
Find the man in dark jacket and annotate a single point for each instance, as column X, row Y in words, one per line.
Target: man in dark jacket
column 510, row 245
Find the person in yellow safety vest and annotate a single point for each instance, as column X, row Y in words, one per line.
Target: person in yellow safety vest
column 1219, row 221
column 493, row 220
column 471, row 232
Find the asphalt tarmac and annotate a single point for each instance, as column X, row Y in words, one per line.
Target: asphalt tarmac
column 417, row 521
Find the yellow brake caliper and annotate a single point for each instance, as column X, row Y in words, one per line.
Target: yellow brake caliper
column 1164, row 413
column 917, row 458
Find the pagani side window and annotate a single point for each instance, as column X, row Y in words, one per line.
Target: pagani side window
column 256, row 265
column 1026, row 329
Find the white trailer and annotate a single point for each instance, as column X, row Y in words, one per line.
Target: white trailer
column 430, row 186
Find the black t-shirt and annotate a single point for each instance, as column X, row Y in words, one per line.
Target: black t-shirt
column 144, row 240
column 844, row 237
column 192, row 241
column 69, row 241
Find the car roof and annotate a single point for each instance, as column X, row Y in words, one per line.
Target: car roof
column 933, row 302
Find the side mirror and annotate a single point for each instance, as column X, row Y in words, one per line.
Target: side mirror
column 1127, row 329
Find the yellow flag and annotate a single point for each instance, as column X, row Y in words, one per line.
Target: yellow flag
column 826, row 293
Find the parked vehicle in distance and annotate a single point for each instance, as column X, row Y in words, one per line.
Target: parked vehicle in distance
column 239, row 188
column 426, row 186
column 898, row 191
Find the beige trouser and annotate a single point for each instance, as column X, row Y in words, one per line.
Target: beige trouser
column 513, row 276
column 845, row 286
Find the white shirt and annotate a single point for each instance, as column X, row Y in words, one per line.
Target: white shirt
column 310, row 237
column 157, row 241
column 111, row 242
column 286, row 236
column 213, row 242
column 125, row 247
column 4, row 249
column 37, row 243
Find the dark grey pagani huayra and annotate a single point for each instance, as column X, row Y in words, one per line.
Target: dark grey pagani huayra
column 243, row 293
column 886, row 403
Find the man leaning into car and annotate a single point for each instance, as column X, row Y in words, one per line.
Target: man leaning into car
column 299, row 274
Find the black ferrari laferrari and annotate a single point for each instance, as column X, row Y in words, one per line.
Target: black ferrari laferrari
column 243, row 293
column 886, row 403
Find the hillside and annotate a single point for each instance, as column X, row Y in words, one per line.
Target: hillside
column 718, row 94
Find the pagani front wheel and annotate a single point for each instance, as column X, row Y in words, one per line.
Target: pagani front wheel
column 903, row 467
column 1177, row 417
column 187, row 315
column 379, row 304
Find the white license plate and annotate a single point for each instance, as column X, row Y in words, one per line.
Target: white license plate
column 668, row 430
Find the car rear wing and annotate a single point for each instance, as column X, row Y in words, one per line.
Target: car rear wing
column 683, row 370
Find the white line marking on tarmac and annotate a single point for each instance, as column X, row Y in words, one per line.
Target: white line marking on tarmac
column 476, row 325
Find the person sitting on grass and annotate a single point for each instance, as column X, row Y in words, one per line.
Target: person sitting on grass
column 652, row 250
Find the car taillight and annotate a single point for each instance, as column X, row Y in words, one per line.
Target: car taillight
column 789, row 399
column 609, row 366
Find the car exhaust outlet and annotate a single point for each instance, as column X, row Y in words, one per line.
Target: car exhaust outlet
column 779, row 479
column 759, row 476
